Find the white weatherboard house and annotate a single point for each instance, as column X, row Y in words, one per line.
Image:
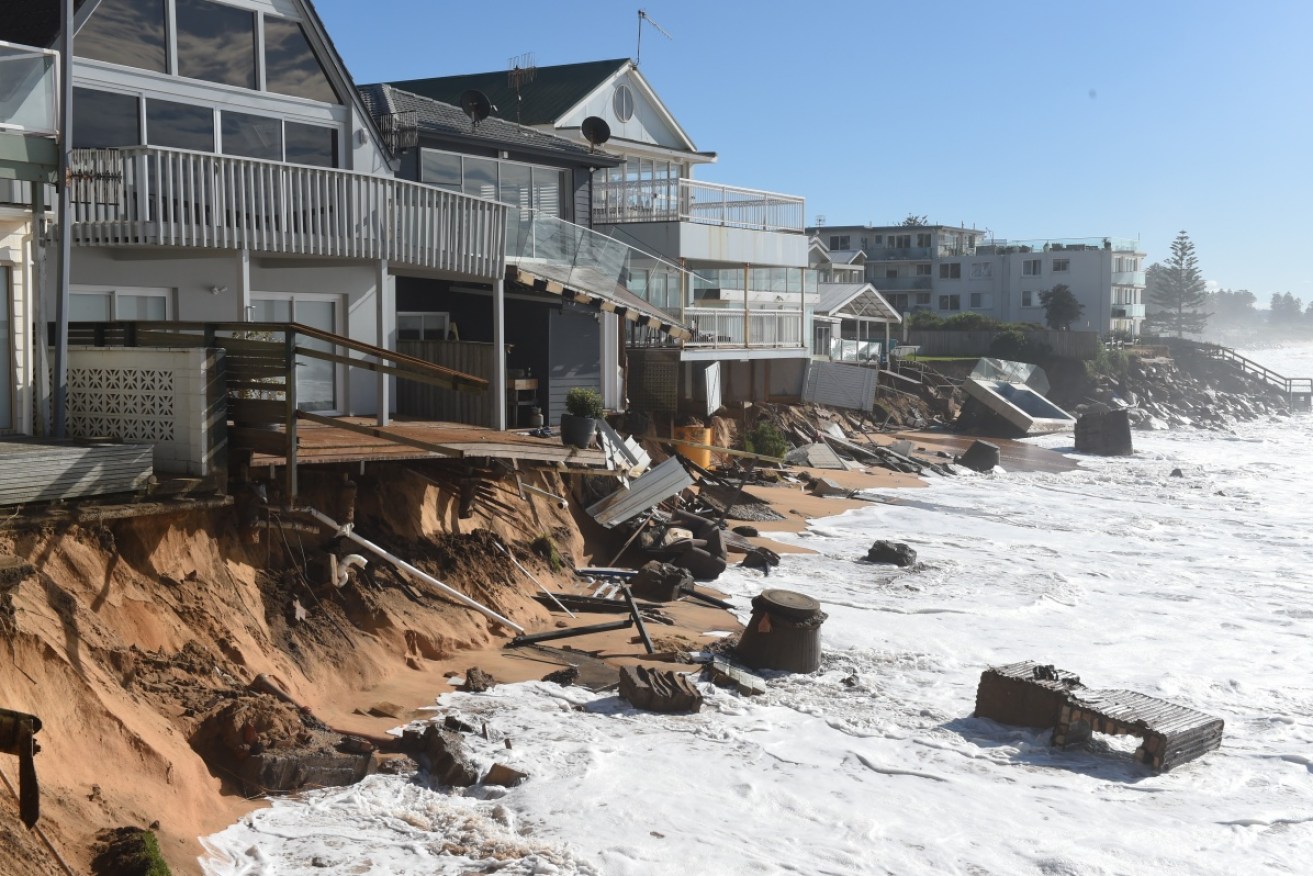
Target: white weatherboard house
column 226, row 171
column 749, row 292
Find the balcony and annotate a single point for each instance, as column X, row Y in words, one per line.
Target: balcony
column 686, row 200
column 735, row 327
column 29, row 90
column 1128, row 311
column 902, row 284
column 901, row 253
column 148, row 196
column 1059, row 244
column 1128, row 278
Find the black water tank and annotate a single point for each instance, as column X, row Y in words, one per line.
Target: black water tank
column 784, row 632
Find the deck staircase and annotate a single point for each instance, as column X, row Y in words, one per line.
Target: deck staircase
column 1298, row 390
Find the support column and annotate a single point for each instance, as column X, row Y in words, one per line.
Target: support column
column 498, row 387
column 243, row 285
column 383, row 316
column 64, row 219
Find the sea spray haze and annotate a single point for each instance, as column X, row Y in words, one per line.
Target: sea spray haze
column 1194, row 588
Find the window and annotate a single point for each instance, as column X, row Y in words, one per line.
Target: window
column 982, row 270
column 622, row 102
column 290, row 65
column 923, row 240
column 923, row 270
column 890, row 273
column 1061, row 266
column 216, row 43
column 1027, row 298
column 481, row 178
column 900, row 241
column 440, row 169
column 950, row 271
column 423, row 326
column 979, row 300
column 252, row 136
column 316, row 379
column 1030, row 268
column 950, row 302
column 311, row 144
column 179, row 125
column 127, row 32
column 897, row 300
column 878, row 239
column 102, row 119
column 525, row 186
column 923, row 298
column 839, row 241
column 87, row 304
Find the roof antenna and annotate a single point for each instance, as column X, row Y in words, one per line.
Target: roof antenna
column 642, row 17
column 522, row 69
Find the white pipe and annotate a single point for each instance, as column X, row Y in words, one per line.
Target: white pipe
column 346, row 563
column 560, row 501
column 407, row 567
column 550, row 595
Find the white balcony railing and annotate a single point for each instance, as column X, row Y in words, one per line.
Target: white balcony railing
column 148, row 196
column 724, row 327
column 686, row 200
column 1128, row 278
column 29, row 89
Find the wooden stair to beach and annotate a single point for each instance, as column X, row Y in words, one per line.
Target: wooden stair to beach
column 1298, row 390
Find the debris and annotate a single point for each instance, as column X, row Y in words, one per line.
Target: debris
column 533, row 638
column 981, row 456
column 451, row 722
column 725, row 674
column 477, row 681
column 1026, row 693
column 502, row 775
column 386, row 710
column 827, row 487
column 1177, row 473
column 565, row 677
column 442, row 755
column 17, row 736
column 747, row 531
column 658, row 690
column 762, row 559
column 660, row 582
column 1104, row 433
column 783, row 632
column 815, row 456
column 893, row 552
column 356, row 745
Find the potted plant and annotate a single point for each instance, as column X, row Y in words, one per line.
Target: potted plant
column 584, row 409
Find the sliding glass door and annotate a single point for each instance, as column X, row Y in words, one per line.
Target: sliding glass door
column 316, row 380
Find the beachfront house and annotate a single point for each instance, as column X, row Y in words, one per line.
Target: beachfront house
column 566, row 298
column 748, row 293
column 946, row 269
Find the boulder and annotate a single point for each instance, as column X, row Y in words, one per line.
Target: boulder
column 442, row 755
column 895, row 553
column 1104, row 433
column 660, row 582
column 981, row 456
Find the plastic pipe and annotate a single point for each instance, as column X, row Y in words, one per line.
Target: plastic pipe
column 346, row 531
column 345, row 563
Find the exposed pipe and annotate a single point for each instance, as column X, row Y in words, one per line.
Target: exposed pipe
column 346, row 532
column 559, row 500
column 346, row 563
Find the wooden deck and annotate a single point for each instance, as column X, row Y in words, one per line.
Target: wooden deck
column 49, row 471
column 321, row 444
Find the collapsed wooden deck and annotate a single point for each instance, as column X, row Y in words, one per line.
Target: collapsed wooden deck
column 32, row 470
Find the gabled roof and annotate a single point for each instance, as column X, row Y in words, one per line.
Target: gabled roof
column 846, row 256
column 449, row 121
column 553, row 92
column 855, row 301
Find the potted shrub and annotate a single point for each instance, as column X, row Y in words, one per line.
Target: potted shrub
column 584, row 409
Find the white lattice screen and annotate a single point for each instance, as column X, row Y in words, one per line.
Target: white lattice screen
column 132, row 404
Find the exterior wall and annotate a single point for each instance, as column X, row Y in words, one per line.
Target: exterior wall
column 574, row 356
column 172, row 398
column 16, row 251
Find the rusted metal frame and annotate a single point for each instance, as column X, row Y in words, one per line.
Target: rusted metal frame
column 375, row 432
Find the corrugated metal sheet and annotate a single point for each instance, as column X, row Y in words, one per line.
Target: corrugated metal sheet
column 840, row 386
column 659, row 484
column 32, row 471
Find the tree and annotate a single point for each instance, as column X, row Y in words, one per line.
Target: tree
column 915, row 221
column 1061, row 308
column 1286, row 310
column 1233, row 307
column 1179, row 290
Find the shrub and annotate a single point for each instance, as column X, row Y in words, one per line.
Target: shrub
column 969, row 321
column 766, row 440
column 924, row 319
column 584, row 402
column 1018, row 346
column 545, row 547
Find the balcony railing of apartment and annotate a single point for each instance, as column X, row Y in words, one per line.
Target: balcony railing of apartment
column 686, row 200
column 1059, row 244
column 894, row 253
column 846, row 350
column 785, row 282
column 150, row 196
column 902, row 283
column 1128, row 278
column 724, row 327
column 1127, row 311
column 29, row 90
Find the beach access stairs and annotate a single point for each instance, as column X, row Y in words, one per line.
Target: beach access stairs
column 1298, row 390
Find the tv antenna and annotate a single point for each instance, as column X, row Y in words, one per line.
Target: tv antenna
column 642, row 17
column 520, row 72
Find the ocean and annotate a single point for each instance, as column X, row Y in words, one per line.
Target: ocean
column 1195, row 588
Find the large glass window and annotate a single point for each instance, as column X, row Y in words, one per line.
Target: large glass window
column 290, row 64
column 311, row 144
column 515, row 187
column 102, row 119
column 441, row 169
column 252, row 136
column 179, row 125
column 524, row 186
column 216, row 43
column 127, row 32
column 481, row 177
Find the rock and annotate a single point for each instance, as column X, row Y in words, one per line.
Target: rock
column 747, row 531
column 442, row 755
column 451, row 722
column 658, row 690
column 477, row 681
column 386, row 710
column 981, row 456
column 895, row 553
column 1104, row 433
column 565, row 676
column 761, row 559
column 660, row 582
column 1177, row 473
column 502, row 775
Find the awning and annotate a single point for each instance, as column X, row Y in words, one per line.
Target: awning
column 607, row 297
column 855, row 301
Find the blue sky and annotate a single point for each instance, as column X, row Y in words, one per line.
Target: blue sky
column 1030, row 119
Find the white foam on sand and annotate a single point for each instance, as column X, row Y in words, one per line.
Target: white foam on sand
column 1192, row 588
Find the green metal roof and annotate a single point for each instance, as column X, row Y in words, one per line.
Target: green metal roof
column 552, row 92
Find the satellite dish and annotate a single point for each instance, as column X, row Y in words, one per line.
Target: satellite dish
column 476, row 105
column 596, row 131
